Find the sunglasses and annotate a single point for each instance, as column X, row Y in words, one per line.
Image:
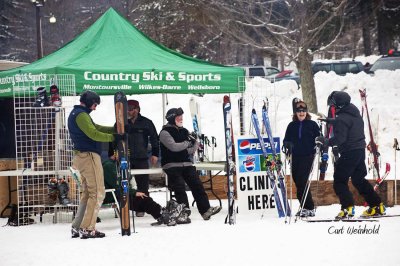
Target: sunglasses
column 133, row 108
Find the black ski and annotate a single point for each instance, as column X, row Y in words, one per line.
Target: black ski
column 380, row 216
column 230, row 164
column 121, row 116
column 355, row 220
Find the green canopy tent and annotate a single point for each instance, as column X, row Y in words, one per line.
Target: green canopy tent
column 113, row 55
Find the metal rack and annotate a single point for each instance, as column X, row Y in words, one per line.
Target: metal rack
column 44, row 150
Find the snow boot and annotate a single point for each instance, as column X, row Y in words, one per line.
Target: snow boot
column 63, row 192
column 52, row 191
column 306, row 213
column 85, row 234
column 183, row 217
column 346, row 213
column 55, row 96
column 210, row 212
column 74, row 232
column 375, row 211
column 42, row 100
column 165, row 218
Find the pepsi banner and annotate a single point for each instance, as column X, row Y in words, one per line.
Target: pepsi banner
column 253, row 187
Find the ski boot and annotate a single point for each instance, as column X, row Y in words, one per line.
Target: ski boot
column 63, row 192
column 42, row 100
column 52, row 191
column 346, row 213
column 55, row 96
column 374, row 211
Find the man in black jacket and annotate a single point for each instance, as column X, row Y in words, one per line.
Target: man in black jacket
column 177, row 145
column 349, row 139
column 141, row 131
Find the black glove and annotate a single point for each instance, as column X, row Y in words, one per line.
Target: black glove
column 287, row 148
column 119, row 137
column 321, row 140
column 192, row 137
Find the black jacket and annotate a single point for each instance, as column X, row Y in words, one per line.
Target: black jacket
column 348, row 129
column 302, row 135
column 140, row 133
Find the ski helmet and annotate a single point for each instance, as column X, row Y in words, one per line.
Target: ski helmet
column 172, row 113
column 339, row 99
column 89, row 98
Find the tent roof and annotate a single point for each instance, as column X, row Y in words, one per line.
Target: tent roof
column 112, row 53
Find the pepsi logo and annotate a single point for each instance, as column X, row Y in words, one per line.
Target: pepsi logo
column 249, row 164
column 245, row 146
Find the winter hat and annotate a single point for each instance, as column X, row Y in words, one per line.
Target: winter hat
column 133, row 104
column 172, row 113
column 339, row 99
column 89, row 98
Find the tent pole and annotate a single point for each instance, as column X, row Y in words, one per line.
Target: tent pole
column 164, row 105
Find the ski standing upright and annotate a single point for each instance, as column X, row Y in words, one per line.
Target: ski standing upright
column 372, row 146
column 121, row 116
column 275, row 163
column 270, row 166
column 230, row 164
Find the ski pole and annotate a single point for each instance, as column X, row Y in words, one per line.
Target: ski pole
column 305, row 193
column 213, row 145
column 396, row 148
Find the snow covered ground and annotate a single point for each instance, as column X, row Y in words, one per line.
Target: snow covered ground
column 252, row 241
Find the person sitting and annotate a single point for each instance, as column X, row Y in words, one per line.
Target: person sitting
column 177, row 145
column 139, row 200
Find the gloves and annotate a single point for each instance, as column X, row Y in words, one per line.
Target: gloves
column 119, row 137
column 192, row 137
column 320, row 140
column 287, row 148
column 325, row 157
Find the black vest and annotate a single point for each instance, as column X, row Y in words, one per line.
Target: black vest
column 79, row 139
column 168, row 156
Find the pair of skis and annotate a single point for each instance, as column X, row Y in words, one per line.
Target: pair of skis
column 273, row 163
column 372, row 146
column 230, row 159
column 121, row 117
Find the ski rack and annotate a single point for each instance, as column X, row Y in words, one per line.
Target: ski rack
column 43, row 149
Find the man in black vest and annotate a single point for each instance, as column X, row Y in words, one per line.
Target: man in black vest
column 177, row 145
column 86, row 138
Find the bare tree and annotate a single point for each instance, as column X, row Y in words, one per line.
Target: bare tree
column 292, row 28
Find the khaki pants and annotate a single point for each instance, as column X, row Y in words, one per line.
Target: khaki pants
column 92, row 189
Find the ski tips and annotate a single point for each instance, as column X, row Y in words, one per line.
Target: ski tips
column 387, row 167
column 226, row 99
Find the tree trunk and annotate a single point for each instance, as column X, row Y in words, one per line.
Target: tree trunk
column 366, row 13
column 307, row 81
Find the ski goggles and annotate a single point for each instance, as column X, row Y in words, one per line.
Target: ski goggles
column 299, row 110
column 301, row 107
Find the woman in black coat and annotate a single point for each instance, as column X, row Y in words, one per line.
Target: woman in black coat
column 300, row 140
